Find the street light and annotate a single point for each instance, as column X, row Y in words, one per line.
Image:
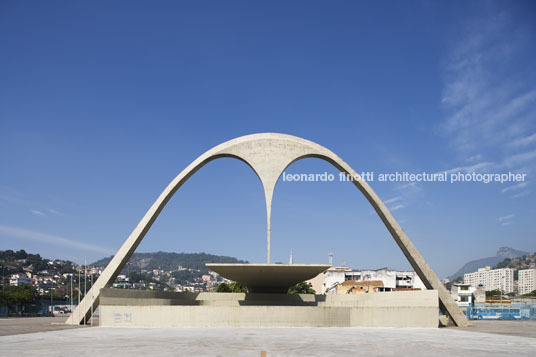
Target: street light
column 71, row 296
column 51, row 298
column 503, row 283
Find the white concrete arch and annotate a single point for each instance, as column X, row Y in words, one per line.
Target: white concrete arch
column 268, row 154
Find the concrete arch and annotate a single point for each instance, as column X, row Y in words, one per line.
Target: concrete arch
column 268, row 154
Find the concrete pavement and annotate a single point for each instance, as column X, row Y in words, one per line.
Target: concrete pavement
column 110, row 341
column 22, row 325
column 506, row 327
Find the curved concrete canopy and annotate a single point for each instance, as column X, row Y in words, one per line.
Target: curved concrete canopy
column 268, row 154
column 268, row 278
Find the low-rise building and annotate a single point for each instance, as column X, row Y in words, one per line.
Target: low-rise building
column 358, row 287
column 391, row 279
column 463, row 294
column 20, row 279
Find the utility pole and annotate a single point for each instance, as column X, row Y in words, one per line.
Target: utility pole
column 78, row 295
column 51, row 299
column 91, row 277
column 501, row 286
column 71, row 299
column 85, row 290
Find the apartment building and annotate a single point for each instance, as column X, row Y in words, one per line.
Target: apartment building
column 491, row 279
column 526, row 281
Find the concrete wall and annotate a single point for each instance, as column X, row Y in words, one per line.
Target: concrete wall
column 389, row 309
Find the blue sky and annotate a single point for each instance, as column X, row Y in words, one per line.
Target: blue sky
column 103, row 104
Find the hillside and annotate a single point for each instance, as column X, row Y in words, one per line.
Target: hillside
column 502, row 254
column 526, row 262
column 170, row 261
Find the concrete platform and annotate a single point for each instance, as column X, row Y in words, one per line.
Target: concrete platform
column 129, row 308
column 110, row 341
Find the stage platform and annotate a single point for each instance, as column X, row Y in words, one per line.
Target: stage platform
column 167, row 309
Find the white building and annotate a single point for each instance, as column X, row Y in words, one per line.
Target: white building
column 391, row 279
column 462, row 294
column 491, row 279
column 20, row 279
column 526, row 281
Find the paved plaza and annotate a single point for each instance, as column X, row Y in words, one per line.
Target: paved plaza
column 16, row 326
column 109, row 341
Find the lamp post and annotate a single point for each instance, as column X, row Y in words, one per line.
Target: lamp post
column 85, row 291
column 71, row 297
column 502, row 285
column 91, row 288
column 51, row 298
column 79, row 286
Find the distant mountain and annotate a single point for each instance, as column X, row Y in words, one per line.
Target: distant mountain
column 170, row 261
column 502, row 254
column 524, row 262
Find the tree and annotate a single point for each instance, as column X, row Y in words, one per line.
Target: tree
column 18, row 295
column 532, row 293
column 7, row 255
column 37, row 262
column 3, row 298
column 183, row 276
column 495, row 292
column 223, row 288
column 302, row 288
column 135, row 277
column 67, row 268
column 24, row 294
column 237, row 288
column 21, row 254
column 504, row 264
column 234, row 287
